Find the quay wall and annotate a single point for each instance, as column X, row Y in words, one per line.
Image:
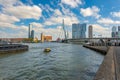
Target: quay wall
column 101, row 49
column 106, row 70
column 110, row 67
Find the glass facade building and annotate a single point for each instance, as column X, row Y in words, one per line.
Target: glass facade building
column 78, row 31
column 32, row 34
column 118, row 31
column 114, row 30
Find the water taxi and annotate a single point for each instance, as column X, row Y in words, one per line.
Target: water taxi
column 47, row 50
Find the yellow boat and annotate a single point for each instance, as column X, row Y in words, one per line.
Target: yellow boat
column 47, row 50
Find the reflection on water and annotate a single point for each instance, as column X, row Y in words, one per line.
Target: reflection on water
column 64, row 62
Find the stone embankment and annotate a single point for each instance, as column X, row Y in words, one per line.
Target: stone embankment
column 110, row 67
column 102, row 49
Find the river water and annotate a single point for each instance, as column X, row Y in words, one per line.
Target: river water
column 64, row 62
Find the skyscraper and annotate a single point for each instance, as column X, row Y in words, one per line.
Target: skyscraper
column 114, row 29
column 29, row 31
column 90, row 31
column 118, row 31
column 42, row 37
column 114, row 32
column 118, row 28
column 78, row 31
column 32, row 34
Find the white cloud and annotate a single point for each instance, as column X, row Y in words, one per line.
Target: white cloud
column 72, row 3
column 93, row 11
column 58, row 20
column 99, row 30
column 66, row 11
column 19, row 34
column 24, row 12
column 108, row 21
column 22, row 31
column 9, row 3
column 46, row 7
column 58, row 16
column 8, row 19
column 57, row 12
column 36, row 25
column 115, row 14
column 12, row 26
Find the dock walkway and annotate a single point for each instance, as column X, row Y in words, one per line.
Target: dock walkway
column 107, row 68
column 110, row 67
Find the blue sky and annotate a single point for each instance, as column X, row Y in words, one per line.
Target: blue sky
column 46, row 16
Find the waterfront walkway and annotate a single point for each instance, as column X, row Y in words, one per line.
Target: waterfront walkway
column 110, row 67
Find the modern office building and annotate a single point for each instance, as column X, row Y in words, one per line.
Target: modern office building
column 29, row 32
column 118, row 28
column 32, row 34
column 42, row 37
column 113, row 34
column 118, row 31
column 90, row 31
column 114, row 30
column 78, row 31
column 116, row 35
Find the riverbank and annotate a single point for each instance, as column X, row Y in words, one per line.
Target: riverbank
column 101, row 49
column 109, row 69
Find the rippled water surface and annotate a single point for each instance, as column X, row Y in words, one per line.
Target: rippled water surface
column 64, row 62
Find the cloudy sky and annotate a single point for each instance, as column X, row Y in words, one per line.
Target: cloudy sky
column 46, row 16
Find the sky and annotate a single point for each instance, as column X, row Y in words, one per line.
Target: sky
column 46, row 16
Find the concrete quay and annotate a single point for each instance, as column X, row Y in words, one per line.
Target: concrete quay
column 102, row 49
column 107, row 68
column 110, row 67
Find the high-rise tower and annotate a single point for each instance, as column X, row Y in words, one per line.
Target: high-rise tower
column 118, row 31
column 32, row 34
column 29, row 32
column 114, row 32
column 78, row 31
column 90, row 31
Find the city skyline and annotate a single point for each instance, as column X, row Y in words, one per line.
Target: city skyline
column 46, row 16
